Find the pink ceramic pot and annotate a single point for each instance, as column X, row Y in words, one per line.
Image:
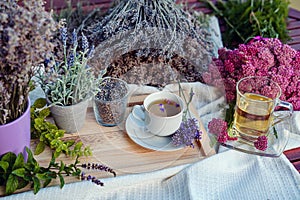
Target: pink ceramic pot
column 15, row 136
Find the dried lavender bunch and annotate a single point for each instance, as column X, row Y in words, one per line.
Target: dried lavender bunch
column 148, row 69
column 151, row 24
column 67, row 78
column 25, row 33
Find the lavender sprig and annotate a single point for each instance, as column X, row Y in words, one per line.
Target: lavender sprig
column 95, row 166
column 63, row 35
column 85, row 43
column 187, row 132
column 83, row 176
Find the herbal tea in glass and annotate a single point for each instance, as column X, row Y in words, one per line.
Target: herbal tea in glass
column 252, row 118
column 256, row 100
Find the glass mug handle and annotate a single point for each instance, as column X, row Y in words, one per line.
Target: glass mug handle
column 280, row 117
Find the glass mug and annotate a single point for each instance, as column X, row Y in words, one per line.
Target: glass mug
column 257, row 98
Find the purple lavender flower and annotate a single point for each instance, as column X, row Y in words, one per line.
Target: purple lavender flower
column 91, row 52
column 91, row 178
column 261, row 143
column 187, row 132
column 95, row 166
column 63, row 35
column 85, row 43
column 161, row 107
column 71, row 59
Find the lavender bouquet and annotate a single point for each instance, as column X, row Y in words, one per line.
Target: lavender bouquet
column 25, row 33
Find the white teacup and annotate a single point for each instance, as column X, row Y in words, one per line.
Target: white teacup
column 161, row 113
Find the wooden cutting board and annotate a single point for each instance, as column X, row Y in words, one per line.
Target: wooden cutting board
column 111, row 146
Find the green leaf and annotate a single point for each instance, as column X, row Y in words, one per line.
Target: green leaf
column 40, row 103
column 78, row 146
column 9, row 157
column 62, row 181
column 275, row 132
column 20, row 172
column 56, row 154
column 44, row 113
column 30, row 158
column 62, row 166
column 4, row 165
column 19, row 162
column 22, row 183
column 69, row 143
column 11, row 184
column 47, row 182
column 39, row 148
column 36, row 185
column 42, row 176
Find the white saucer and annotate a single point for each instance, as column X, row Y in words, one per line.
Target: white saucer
column 146, row 139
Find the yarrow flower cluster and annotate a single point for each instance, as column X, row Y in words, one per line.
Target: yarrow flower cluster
column 261, row 57
column 219, row 128
column 261, row 143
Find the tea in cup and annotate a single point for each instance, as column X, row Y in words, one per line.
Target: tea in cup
column 257, row 98
column 160, row 114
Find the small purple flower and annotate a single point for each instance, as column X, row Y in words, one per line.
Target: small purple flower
column 63, row 35
column 71, row 59
column 85, row 43
column 161, row 107
column 91, row 178
column 187, row 132
column 261, row 143
column 91, row 52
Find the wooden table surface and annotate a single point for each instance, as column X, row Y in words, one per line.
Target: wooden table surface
column 111, row 146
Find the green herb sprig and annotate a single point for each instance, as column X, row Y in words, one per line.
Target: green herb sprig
column 16, row 173
column 49, row 135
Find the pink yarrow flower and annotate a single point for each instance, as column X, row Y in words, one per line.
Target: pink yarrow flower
column 261, row 57
column 217, row 126
column 261, row 143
